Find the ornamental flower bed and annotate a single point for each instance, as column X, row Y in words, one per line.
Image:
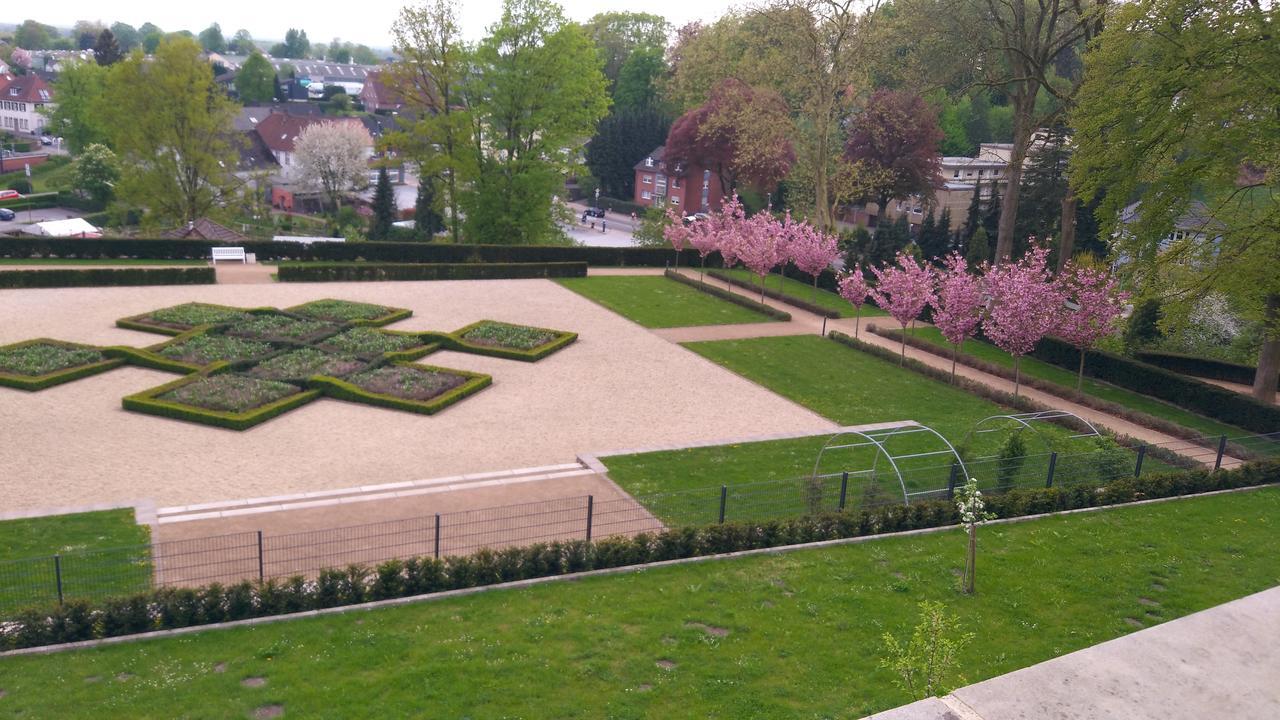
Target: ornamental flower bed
column 343, row 310
column 229, row 393
column 210, row 348
column 305, row 362
column 409, row 383
column 189, row 315
column 367, row 341
column 44, row 358
column 270, row 325
column 520, row 337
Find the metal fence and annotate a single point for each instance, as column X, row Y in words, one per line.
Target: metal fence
column 97, row 574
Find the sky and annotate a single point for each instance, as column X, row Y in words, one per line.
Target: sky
column 366, row 22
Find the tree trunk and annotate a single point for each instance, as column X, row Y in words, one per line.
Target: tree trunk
column 857, row 320
column 1264, row 381
column 1067, row 241
column 1017, row 374
column 813, row 296
column 954, row 349
column 1080, row 374
column 971, row 567
column 1023, row 108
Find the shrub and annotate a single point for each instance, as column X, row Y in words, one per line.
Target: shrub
column 1144, row 324
column 104, row 277
column 1201, row 367
column 22, row 185
column 1010, row 458
column 377, row 272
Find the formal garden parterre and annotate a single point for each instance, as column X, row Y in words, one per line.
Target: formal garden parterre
column 244, row 366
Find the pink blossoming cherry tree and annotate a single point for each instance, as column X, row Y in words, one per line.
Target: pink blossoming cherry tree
column 1093, row 310
column 1026, row 304
column 726, row 226
column 853, row 287
column 957, row 309
column 676, row 233
column 810, row 249
column 761, row 245
column 903, row 290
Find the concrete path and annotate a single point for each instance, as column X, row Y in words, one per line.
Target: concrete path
column 1234, row 387
column 1223, row 662
column 804, row 322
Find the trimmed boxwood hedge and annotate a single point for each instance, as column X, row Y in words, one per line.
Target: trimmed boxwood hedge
column 1200, row 366
column 342, row 390
column 456, row 341
column 32, row 383
column 168, row 608
column 147, row 358
column 392, row 252
column 775, row 294
column 374, row 272
column 105, row 277
column 1212, row 401
column 732, row 297
column 147, row 402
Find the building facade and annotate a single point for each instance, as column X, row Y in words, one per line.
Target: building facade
column 22, row 98
column 688, row 190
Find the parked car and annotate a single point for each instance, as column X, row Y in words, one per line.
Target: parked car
column 7, row 214
column 46, row 140
column 10, row 195
column 690, row 219
column 595, row 212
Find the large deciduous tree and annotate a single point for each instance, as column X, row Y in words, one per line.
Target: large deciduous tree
column 897, row 132
column 76, row 117
column 96, row 172
column 618, row 35
column 211, row 39
column 740, row 133
column 1199, row 80
column 256, row 81
column 172, row 129
column 332, row 156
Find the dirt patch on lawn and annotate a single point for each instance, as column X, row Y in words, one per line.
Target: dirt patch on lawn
column 708, row 629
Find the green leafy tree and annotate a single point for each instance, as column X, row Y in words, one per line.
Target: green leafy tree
column 427, row 220
column 296, row 46
column 637, row 84
column 933, row 238
column 256, row 81
column 76, row 117
column 32, row 35
column 927, row 664
column 623, row 139
column 364, row 55
column 242, row 42
column 172, row 129
column 619, row 34
column 1197, row 128
column 211, row 39
column 151, row 42
column 384, row 207
column 978, row 249
column 107, row 50
column 96, row 172
column 127, row 36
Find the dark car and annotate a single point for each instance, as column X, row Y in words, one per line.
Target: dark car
column 595, row 212
column 7, row 214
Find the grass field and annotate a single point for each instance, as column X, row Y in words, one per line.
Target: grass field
column 31, row 582
column 797, row 635
column 805, row 292
column 657, row 302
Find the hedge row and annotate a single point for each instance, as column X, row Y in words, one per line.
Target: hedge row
column 147, row 402
column 1071, row 395
column 456, row 341
column 375, row 272
column 168, row 608
column 789, row 299
column 103, row 277
column 1200, row 367
column 1000, row 397
column 342, row 390
column 395, row 252
column 1209, row 400
column 37, row 201
column 732, row 297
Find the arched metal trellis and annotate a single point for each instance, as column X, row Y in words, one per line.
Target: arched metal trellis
column 1030, row 421
column 880, row 438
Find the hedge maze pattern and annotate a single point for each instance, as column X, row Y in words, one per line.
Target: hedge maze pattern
column 244, row 366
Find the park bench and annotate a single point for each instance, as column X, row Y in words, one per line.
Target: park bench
column 229, row 253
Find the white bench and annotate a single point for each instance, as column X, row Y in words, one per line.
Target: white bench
column 229, row 253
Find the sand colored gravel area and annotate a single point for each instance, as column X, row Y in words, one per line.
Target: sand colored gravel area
column 618, row 386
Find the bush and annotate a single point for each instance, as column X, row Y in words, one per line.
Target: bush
column 22, row 185
column 376, row 272
column 1201, row 367
column 103, row 277
column 734, row 298
column 1009, row 460
column 1144, row 324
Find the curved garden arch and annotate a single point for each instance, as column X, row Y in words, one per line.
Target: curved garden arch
column 1031, row 421
column 879, row 438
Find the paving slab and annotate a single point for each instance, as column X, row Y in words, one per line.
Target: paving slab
column 927, row 709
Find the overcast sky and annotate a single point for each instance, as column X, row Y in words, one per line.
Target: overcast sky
column 365, row 22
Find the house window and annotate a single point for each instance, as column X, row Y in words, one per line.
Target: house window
column 957, row 174
column 675, row 199
column 648, row 162
column 646, row 195
column 647, row 179
column 675, row 183
column 980, row 172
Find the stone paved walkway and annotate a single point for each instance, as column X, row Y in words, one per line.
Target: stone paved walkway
column 1223, row 662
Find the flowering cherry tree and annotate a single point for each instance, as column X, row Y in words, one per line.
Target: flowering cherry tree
column 853, row 287
column 957, row 309
column 704, row 238
column 761, row 245
column 904, row 290
column 676, row 233
column 810, row 249
column 1094, row 306
column 726, row 227
column 1025, row 305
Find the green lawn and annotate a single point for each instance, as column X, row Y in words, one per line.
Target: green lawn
column 1105, row 391
column 110, row 261
column 805, row 291
column 31, row 582
column 658, row 302
column 800, row 633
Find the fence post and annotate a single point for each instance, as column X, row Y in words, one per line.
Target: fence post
column 591, row 507
column 1137, row 468
column 1053, row 464
column 724, row 495
column 951, row 481
column 436, row 544
column 261, row 563
column 1222, row 449
column 57, row 573
column 844, row 487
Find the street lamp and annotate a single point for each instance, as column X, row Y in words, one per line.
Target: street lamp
column 597, row 197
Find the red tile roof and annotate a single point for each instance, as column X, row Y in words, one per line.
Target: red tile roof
column 279, row 130
column 25, row 88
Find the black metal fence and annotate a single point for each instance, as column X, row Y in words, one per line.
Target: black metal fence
column 97, row 574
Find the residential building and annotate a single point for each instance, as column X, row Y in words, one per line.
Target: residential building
column 378, row 96
column 22, row 97
column 689, row 189
column 279, row 130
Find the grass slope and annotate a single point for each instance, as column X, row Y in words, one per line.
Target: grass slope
column 657, row 302
column 803, row 629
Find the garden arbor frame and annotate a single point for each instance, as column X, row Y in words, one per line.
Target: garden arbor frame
column 879, row 437
column 1031, row 421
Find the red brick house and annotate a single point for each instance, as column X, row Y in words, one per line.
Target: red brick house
column 378, row 96
column 688, row 189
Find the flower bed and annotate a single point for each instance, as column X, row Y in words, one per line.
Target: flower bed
column 44, row 358
column 403, row 386
column 519, row 337
column 367, row 341
column 189, row 315
column 305, row 362
column 274, row 326
column 209, row 348
column 229, row 393
column 346, row 311
column 406, row 381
